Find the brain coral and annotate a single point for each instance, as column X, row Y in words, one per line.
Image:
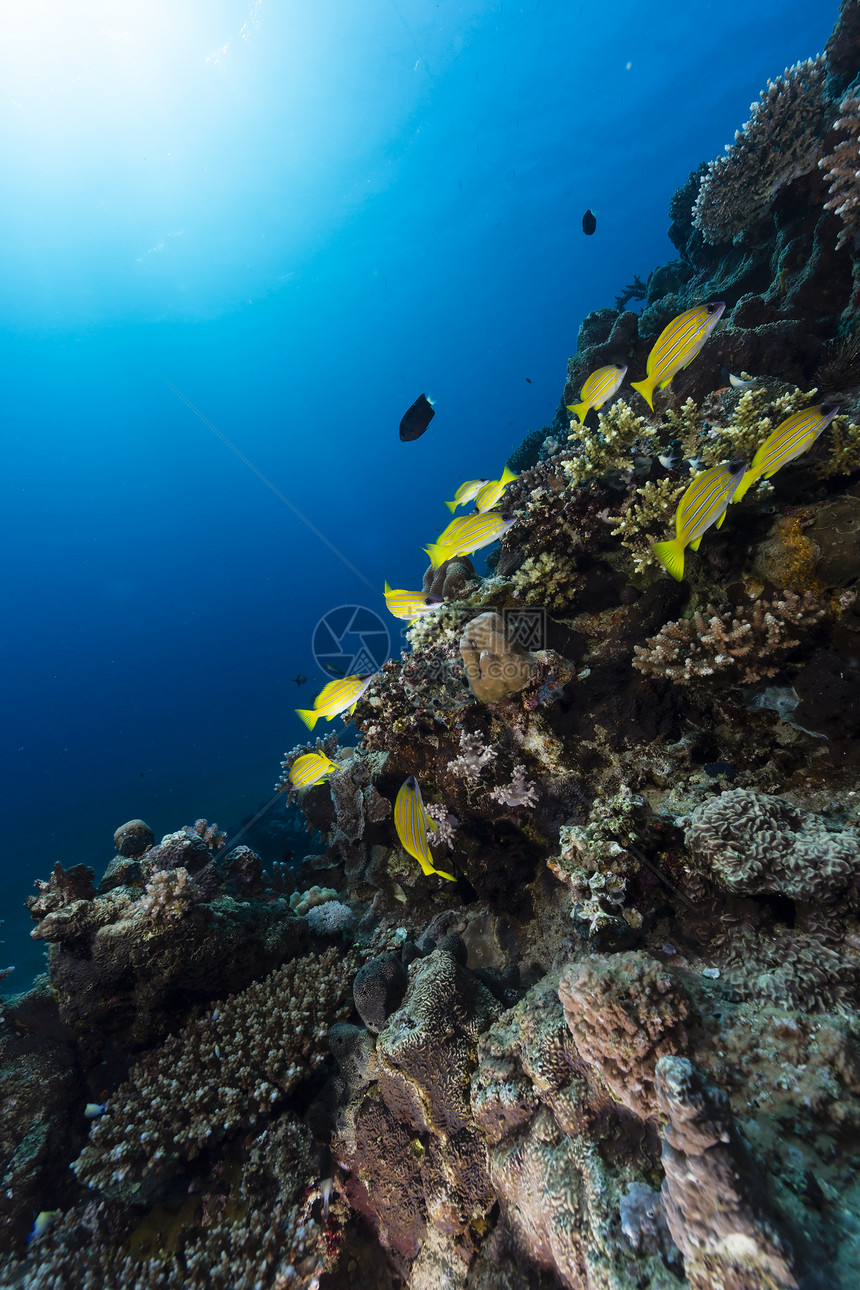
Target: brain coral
column 750, row 843
column 624, row 1012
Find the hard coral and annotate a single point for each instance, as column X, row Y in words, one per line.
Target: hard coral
column 624, row 1012
column 740, row 645
column 750, row 842
column 780, row 142
column 843, row 169
column 221, row 1073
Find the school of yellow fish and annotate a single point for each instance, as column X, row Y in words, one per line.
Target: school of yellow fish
column 704, row 503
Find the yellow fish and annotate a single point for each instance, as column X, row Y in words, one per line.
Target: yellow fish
column 412, row 822
column 467, row 534
column 797, row 433
column 410, row 605
column 311, row 768
column 492, row 490
column 703, row 504
column 466, row 492
column 676, row 346
column 600, row 386
column 335, row 698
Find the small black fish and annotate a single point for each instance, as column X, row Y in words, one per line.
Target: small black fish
column 528, row 380
column 416, row 419
column 589, row 223
column 334, row 669
column 300, row 680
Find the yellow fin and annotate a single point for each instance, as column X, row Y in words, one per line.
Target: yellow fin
column 646, row 389
column 694, row 546
column 308, row 716
column 579, row 410
column 719, row 523
column 746, row 483
column 667, row 381
column 452, row 506
column 438, row 554
column 508, row 476
column 671, row 556
column 440, row 873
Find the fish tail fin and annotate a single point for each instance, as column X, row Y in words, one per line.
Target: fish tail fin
column 438, row 555
column 508, row 476
column 646, row 389
column 579, row 410
column 309, row 716
column 743, row 487
column 452, row 506
column 671, row 556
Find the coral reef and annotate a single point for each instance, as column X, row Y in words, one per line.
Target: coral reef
column 780, row 142
column 621, row 1051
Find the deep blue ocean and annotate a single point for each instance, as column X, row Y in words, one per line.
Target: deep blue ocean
column 301, row 216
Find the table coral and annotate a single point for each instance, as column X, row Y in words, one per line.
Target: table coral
column 222, row 1072
column 780, row 142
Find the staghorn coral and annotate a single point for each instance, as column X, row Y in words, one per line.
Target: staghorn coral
column 843, row 449
column 842, row 168
column 780, row 142
column 750, row 842
column 624, row 1012
column 220, row 1073
column 740, row 645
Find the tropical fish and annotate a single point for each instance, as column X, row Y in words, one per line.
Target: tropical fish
column 410, row 605
column 412, row 822
column 311, row 768
column 466, row 534
column 335, row 698
column 416, row 419
column 42, row 1223
column 466, row 492
column 93, row 1110
column 797, row 433
column 300, row 680
column 492, row 490
column 738, row 382
column 677, row 346
column 600, row 386
column 589, row 223
column 703, row 504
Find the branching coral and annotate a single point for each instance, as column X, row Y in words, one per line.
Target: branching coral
column 843, row 170
column 220, row 1073
column 843, row 450
column 474, row 756
column 520, row 791
column 640, row 520
column 544, row 579
column 169, row 894
column 609, row 446
column 780, row 142
column 741, row 644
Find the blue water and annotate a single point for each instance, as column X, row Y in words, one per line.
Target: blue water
column 301, row 216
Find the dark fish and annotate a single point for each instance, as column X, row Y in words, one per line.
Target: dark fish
column 416, row 419
column 334, row 669
column 589, row 223
column 300, row 680
column 528, row 380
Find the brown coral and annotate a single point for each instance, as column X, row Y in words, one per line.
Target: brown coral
column 624, row 1012
column 843, row 168
column 741, row 644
